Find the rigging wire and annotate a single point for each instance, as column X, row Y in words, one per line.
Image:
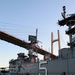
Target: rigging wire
column 12, row 24
column 13, row 28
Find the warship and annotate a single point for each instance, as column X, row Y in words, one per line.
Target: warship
column 63, row 64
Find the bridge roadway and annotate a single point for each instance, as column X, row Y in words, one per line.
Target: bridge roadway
column 11, row 39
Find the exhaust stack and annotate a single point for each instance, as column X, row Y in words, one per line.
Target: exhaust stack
column 52, row 41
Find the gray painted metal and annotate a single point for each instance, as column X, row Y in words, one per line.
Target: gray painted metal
column 59, row 66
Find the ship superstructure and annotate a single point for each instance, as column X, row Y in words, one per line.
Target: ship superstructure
column 63, row 64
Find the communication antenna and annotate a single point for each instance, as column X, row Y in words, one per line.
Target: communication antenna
column 36, row 34
column 64, row 12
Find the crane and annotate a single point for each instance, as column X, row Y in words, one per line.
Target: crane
column 11, row 39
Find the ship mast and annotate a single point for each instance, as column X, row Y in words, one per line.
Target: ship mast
column 70, row 22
